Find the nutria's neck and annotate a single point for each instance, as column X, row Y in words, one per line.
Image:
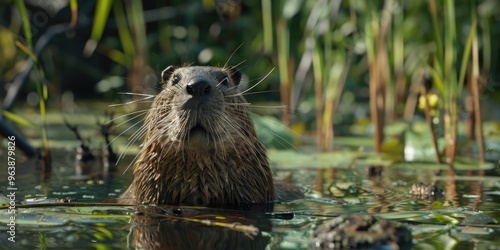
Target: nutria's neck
column 203, row 177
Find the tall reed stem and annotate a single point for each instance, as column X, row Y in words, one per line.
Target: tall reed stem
column 283, row 40
column 475, row 97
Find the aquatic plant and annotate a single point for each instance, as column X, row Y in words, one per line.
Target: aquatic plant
column 41, row 88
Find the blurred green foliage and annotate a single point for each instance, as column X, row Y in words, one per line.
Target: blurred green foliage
column 311, row 43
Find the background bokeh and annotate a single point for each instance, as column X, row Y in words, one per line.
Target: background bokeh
column 321, row 56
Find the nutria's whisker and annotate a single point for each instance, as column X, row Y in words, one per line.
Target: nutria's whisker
column 183, row 127
column 261, row 92
column 228, row 122
column 142, row 131
column 280, row 137
column 275, row 107
column 251, row 106
column 127, row 128
column 146, row 97
column 122, row 154
column 240, row 63
column 137, row 94
column 282, row 141
column 216, row 136
column 142, row 111
column 129, row 102
column 231, row 56
column 279, row 124
column 236, row 129
column 239, row 129
column 138, row 134
column 253, row 86
column 220, row 82
column 131, row 163
column 238, row 104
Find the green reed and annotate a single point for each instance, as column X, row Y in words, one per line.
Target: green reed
column 444, row 72
column 132, row 34
column 331, row 67
column 41, row 87
column 100, row 19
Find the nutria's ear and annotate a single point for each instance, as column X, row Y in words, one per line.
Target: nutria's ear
column 234, row 74
column 166, row 74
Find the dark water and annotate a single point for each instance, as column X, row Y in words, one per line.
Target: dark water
column 435, row 222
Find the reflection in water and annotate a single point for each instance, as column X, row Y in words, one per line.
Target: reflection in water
column 476, row 188
column 379, row 184
column 154, row 232
column 451, row 188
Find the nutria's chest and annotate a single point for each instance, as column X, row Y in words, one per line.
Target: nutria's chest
column 202, row 179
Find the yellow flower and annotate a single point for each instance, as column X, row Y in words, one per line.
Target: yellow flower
column 433, row 101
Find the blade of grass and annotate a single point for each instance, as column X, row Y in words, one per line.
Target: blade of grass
column 17, row 119
column 267, row 26
column 450, row 82
column 73, row 5
column 486, row 42
column 428, row 118
column 119, row 57
column 475, row 84
column 318, row 68
column 123, row 31
column 42, row 92
column 476, row 98
column 371, row 35
column 437, row 31
column 101, row 16
column 137, row 27
column 26, row 23
column 386, row 82
column 283, row 39
column 100, row 19
column 437, row 79
column 27, row 50
column 466, row 55
column 399, row 60
column 337, row 78
column 328, row 82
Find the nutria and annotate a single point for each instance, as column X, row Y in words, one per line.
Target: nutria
column 200, row 146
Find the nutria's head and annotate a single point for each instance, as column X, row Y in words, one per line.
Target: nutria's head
column 200, row 146
column 199, row 109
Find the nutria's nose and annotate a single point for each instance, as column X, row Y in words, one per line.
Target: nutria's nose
column 198, row 87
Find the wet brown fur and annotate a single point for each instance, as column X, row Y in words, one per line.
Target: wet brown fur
column 224, row 165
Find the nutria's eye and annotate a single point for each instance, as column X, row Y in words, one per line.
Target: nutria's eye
column 234, row 74
column 175, row 80
column 224, row 81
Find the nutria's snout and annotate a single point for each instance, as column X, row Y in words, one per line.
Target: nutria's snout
column 199, row 96
column 198, row 87
column 202, row 105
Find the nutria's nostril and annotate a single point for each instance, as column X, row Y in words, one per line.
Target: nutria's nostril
column 198, row 88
